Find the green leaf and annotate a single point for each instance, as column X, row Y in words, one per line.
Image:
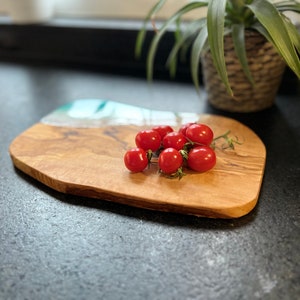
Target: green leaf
column 262, row 30
column 288, row 6
column 173, row 63
column 154, row 44
column 215, row 27
column 189, row 32
column 294, row 33
column 142, row 33
column 237, row 5
column 197, row 48
column 238, row 36
column 273, row 22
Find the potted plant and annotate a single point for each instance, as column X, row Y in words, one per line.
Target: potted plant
column 239, row 42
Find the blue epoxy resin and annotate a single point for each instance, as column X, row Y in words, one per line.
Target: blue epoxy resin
column 84, row 113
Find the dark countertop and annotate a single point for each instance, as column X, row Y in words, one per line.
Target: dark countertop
column 56, row 246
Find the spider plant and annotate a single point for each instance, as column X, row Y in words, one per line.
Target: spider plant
column 225, row 17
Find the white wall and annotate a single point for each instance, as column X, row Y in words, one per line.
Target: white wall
column 127, row 9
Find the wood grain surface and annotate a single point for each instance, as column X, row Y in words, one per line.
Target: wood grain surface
column 89, row 162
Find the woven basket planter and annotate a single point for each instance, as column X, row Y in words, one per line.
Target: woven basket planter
column 266, row 66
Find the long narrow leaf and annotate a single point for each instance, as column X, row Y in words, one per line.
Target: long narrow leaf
column 197, row 48
column 187, row 45
column 177, row 36
column 142, row 33
column 271, row 19
column 189, row 32
column 154, row 44
column 262, row 30
column 294, row 33
column 238, row 36
column 215, row 27
column 288, row 6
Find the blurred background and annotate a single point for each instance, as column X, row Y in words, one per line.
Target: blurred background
column 36, row 10
column 92, row 33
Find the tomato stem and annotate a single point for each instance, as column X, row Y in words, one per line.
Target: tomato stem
column 149, row 154
column 178, row 174
column 184, row 154
column 229, row 142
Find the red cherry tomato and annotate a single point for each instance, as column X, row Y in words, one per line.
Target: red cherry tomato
column 170, row 160
column 136, row 160
column 184, row 127
column 148, row 140
column 201, row 159
column 163, row 130
column 174, row 140
column 200, row 134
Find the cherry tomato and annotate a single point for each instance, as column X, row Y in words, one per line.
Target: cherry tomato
column 184, row 127
column 136, row 160
column 148, row 140
column 163, row 130
column 174, row 140
column 200, row 134
column 170, row 160
column 201, row 159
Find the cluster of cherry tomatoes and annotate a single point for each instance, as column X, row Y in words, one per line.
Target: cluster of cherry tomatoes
column 189, row 147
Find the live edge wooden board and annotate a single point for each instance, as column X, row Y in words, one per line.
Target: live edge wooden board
column 78, row 149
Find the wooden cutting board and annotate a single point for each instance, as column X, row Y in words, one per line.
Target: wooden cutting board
column 78, row 149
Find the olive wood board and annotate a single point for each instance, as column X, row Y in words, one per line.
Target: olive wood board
column 78, row 149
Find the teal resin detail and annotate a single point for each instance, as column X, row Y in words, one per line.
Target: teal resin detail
column 85, row 113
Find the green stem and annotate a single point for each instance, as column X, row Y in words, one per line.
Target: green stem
column 230, row 142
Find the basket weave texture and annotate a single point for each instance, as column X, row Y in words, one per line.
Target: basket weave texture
column 266, row 66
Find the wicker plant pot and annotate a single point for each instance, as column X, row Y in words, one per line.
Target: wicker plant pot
column 266, row 66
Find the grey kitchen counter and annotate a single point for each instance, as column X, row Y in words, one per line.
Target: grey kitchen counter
column 57, row 246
